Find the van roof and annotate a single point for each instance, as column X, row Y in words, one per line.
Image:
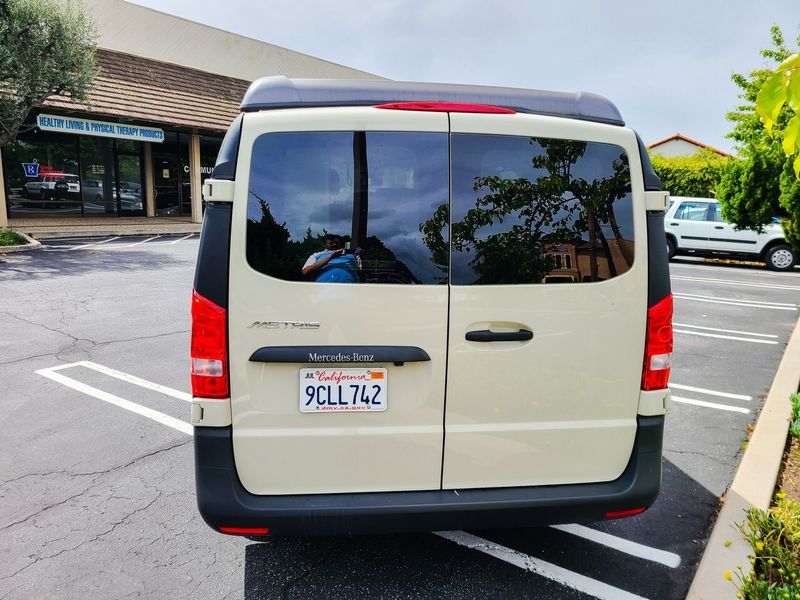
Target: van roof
column 276, row 92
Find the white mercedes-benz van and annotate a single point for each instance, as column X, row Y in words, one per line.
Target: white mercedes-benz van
column 424, row 306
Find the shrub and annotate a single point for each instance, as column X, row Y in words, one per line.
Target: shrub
column 774, row 535
column 10, row 238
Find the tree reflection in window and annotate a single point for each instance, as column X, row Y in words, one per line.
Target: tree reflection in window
column 548, row 215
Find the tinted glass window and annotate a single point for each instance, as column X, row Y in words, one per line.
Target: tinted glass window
column 692, row 211
column 375, row 196
column 531, row 210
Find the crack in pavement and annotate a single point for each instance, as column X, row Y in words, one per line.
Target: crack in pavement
column 94, row 539
column 95, row 474
column 95, row 346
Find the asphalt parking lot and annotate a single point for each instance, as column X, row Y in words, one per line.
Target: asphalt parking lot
column 96, row 467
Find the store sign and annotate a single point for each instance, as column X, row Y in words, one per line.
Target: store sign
column 31, row 169
column 99, row 128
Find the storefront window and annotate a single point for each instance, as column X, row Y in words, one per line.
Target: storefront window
column 52, row 174
column 41, row 175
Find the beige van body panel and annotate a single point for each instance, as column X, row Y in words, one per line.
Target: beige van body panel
column 561, row 407
column 278, row 449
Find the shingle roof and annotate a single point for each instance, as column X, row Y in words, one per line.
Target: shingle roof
column 141, row 89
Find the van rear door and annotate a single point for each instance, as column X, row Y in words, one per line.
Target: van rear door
column 338, row 376
column 548, row 301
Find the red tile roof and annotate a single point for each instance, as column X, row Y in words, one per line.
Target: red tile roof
column 133, row 88
column 680, row 136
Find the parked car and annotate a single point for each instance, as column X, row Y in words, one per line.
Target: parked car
column 319, row 391
column 696, row 226
column 53, row 186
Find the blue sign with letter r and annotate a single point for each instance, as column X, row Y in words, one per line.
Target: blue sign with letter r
column 31, row 169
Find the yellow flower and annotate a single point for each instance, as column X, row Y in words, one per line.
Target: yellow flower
column 780, row 495
column 728, row 575
column 759, row 546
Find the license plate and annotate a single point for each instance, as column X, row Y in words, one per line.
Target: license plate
column 343, row 390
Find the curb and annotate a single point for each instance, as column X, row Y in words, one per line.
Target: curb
column 30, row 244
column 753, row 484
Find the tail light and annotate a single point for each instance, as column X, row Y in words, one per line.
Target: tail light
column 616, row 514
column 209, row 349
column 658, row 345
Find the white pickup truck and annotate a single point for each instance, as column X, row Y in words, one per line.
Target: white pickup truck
column 696, row 226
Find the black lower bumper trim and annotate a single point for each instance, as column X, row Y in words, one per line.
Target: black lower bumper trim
column 224, row 502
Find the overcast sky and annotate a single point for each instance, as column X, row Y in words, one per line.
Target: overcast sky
column 665, row 64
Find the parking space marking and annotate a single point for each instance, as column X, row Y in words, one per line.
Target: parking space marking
column 156, row 387
column 94, row 243
column 767, row 335
column 154, row 415
column 689, row 388
column 767, row 286
column 535, row 565
column 723, row 337
column 710, row 405
column 155, row 237
column 183, row 238
column 663, row 557
column 742, row 303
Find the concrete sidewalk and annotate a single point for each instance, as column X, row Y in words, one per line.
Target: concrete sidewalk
column 43, row 228
column 753, row 484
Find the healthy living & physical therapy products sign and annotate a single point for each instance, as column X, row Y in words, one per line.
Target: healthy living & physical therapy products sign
column 99, row 128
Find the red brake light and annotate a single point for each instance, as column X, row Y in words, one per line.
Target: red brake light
column 658, row 346
column 615, row 514
column 448, row 107
column 209, row 349
column 245, row 530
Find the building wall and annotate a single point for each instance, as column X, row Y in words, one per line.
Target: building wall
column 134, row 29
column 676, row 148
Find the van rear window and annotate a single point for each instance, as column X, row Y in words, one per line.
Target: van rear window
column 377, row 207
column 347, row 206
column 535, row 210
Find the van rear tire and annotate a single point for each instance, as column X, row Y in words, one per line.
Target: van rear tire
column 780, row 258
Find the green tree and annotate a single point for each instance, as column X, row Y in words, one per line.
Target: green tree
column 46, row 49
column 762, row 184
column 779, row 90
column 695, row 176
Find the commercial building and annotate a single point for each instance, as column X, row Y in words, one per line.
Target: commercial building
column 148, row 134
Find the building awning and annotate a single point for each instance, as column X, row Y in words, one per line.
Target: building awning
column 140, row 89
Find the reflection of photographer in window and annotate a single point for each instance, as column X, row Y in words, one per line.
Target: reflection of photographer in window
column 334, row 264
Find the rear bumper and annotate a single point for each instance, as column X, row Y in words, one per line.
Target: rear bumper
column 224, row 502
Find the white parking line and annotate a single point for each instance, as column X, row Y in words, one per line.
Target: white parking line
column 743, row 304
column 94, row 244
column 531, row 564
column 143, row 241
column 689, row 388
column 646, row 552
column 183, row 238
column 789, row 304
column 710, row 405
column 89, row 390
column 167, row 391
column 767, row 335
column 767, row 286
column 723, row 337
